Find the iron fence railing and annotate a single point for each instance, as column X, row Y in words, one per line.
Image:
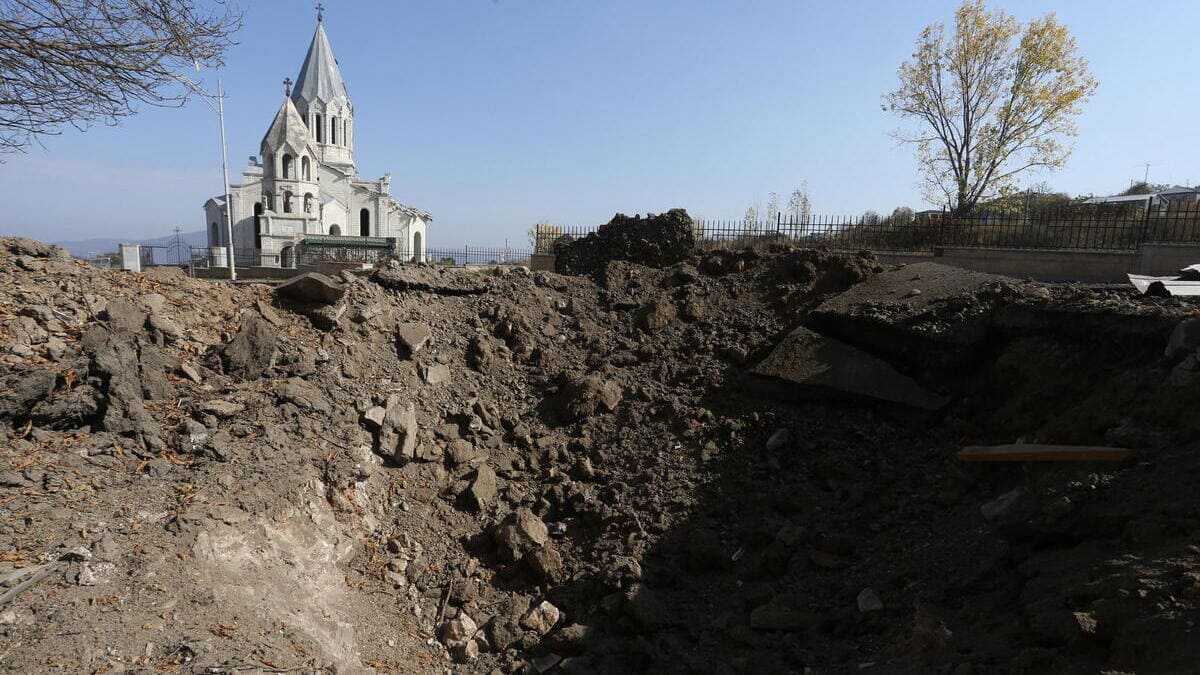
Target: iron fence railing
column 478, row 255
column 312, row 256
column 1087, row 227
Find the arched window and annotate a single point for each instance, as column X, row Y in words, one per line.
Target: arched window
column 318, row 128
column 364, row 223
column 308, row 202
column 287, row 166
column 214, row 234
column 333, row 130
column 268, row 202
column 305, row 168
column 287, row 201
column 418, row 252
column 335, row 231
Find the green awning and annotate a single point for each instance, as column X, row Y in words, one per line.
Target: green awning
column 348, row 242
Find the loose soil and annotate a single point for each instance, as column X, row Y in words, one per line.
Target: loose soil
column 436, row 470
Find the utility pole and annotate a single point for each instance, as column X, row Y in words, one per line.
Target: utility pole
column 217, row 103
column 225, row 175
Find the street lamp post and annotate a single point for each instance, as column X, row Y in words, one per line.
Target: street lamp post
column 228, row 197
column 217, row 103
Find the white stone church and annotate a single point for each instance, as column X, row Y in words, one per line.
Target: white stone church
column 302, row 197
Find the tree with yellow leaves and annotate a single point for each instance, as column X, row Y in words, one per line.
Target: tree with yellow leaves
column 990, row 102
column 542, row 236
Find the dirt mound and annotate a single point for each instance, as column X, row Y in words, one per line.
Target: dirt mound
column 654, row 241
column 544, row 473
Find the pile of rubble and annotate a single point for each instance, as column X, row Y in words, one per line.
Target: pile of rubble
column 656, row 240
column 733, row 461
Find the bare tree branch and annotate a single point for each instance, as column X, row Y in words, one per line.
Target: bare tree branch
column 79, row 62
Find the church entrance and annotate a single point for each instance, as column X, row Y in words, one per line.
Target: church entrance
column 287, row 257
column 364, row 223
column 418, row 254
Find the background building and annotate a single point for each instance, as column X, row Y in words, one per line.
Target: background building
column 302, row 196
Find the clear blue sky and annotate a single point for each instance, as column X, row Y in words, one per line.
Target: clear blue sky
column 492, row 115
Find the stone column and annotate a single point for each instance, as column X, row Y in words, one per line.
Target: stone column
column 131, row 257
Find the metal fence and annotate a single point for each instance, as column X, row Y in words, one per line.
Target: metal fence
column 1089, row 227
column 478, row 255
column 311, row 256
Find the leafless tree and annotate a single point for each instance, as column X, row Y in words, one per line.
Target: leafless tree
column 79, row 62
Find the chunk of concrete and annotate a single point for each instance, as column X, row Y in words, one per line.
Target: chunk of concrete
column 824, row 366
column 435, row 373
column 925, row 312
column 398, row 434
column 411, row 338
column 312, row 287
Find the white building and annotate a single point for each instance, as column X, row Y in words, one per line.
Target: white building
column 302, row 195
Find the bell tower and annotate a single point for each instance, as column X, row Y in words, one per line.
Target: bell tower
column 321, row 98
column 290, row 187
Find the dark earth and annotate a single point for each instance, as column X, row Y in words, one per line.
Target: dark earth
column 424, row 469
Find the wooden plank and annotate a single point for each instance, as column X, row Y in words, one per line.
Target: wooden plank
column 1034, row 452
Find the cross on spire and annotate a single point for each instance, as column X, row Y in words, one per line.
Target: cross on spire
column 320, row 12
column 287, row 86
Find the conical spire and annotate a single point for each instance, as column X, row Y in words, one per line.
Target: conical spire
column 320, row 79
column 287, row 128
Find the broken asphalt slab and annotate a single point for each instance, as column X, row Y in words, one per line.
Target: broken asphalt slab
column 824, row 366
column 439, row 280
column 312, row 287
column 925, row 312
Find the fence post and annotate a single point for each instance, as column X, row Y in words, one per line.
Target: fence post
column 942, row 229
column 1146, row 222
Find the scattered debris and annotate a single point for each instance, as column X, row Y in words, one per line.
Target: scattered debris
column 585, row 474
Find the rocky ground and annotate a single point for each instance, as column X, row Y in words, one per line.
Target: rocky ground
column 678, row 469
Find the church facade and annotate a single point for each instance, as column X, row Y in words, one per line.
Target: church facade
column 302, row 194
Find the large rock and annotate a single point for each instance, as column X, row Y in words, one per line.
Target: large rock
column 482, row 491
column 398, row 434
column 824, row 366
column 20, row 391
column 115, row 360
column 252, row 351
column 546, row 562
column 581, row 397
column 655, row 241
column 541, row 618
column 656, row 315
column 312, row 287
column 411, row 338
column 124, row 317
column 1185, row 339
column 519, row 533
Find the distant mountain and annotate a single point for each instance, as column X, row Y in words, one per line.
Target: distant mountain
column 82, row 248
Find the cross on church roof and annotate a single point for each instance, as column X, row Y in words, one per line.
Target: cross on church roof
column 320, row 12
column 287, row 86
